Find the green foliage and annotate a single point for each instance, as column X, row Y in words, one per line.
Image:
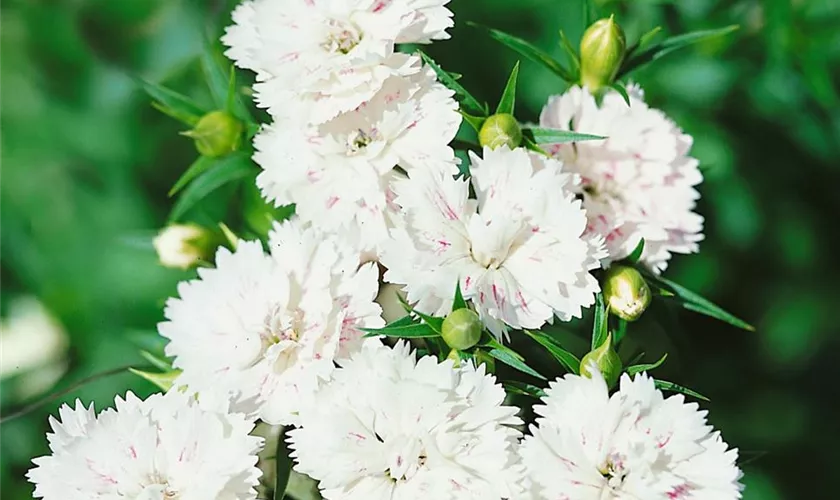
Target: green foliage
column 282, row 467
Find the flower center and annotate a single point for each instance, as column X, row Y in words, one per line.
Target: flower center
column 279, row 327
column 358, row 140
column 342, row 37
column 487, row 260
column 158, row 491
column 614, row 471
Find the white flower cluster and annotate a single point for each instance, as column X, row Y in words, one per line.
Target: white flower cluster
column 359, row 143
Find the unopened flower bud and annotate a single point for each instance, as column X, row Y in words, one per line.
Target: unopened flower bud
column 216, row 134
column 602, row 50
column 182, row 246
column 626, row 292
column 461, row 329
column 605, row 360
column 500, row 130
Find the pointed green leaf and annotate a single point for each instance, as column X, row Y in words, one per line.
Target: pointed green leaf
column 647, row 38
column 670, row 386
column 599, row 325
column 618, row 87
column 508, row 101
column 634, row 369
column 158, row 362
column 541, row 135
column 459, row 302
column 218, row 75
column 172, row 103
column 199, row 166
column 282, row 466
column 461, row 145
column 566, row 358
column 468, row 102
column 572, row 54
column 620, row 330
column 530, row 145
column 526, row 49
column 404, row 321
column 474, row 121
column 695, row 302
column 164, row 380
column 640, row 58
column 226, row 169
column 506, row 357
column 232, row 92
column 420, row 330
column 636, row 254
column 516, row 387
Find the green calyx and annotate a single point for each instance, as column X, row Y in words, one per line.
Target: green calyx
column 500, row 130
column 461, row 329
column 602, row 50
column 626, row 293
column 605, row 360
column 216, row 134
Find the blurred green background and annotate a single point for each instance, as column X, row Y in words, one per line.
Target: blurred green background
column 86, row 164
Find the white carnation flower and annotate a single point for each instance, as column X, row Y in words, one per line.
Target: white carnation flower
column 333, row 54
column 389, row 427
column 164, row 447
column 588, row 445
column 338, row 173
column 639, row 182
column 518, row 249
column 266, row 328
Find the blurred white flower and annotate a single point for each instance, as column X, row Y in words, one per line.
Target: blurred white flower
column 33, row 347
column 588, row 445
column 182, row 246
column 339, row 173
column 266, row 329
column 518, row 249
column 335, row 55
column 161, row 448
column 389, row 427
column 639, row 182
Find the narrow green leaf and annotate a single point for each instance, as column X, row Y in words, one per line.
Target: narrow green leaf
column 459, row 302
column 468, row 102
column 640, row 58
column 174, row 101
column 530, row 145
column 557, row 136
column 218, row 75
column 420, row 330
column 516, row 387
column 648, row 37
column 695, row 302
column 157, row 361
column 599, row 325
column 404, row 321
column 282, row 467
column 185, row 118
column 164, row 380
column 434, row 322
column 636, row 254
column 566, row 358
column 199, row 166
column 474, row 121
column 507, row 358
column 508, row 101
column 526, row 49
column 230, row 103
column 224, row 170
column 634, row 369
column 670, row 386
column 618, row 87
column 572, row 54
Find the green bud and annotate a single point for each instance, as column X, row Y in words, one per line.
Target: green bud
column 500, row 130
column 626, row 292
column 216, row 134
column 461, row 329
column 605, row 359
column 183, row 246
column 601, row 52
